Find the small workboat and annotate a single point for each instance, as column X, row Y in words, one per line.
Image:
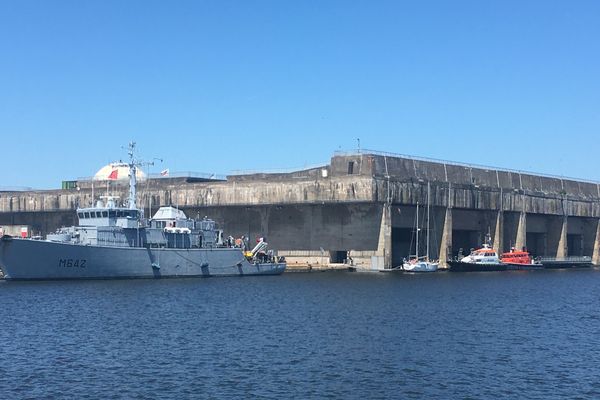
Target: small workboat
column 483, row 259
column 519, row 260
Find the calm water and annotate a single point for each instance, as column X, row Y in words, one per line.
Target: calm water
column 527, row 335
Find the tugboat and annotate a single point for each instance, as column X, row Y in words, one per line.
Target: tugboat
column 483, row 259
column 519, row 260
column 113, row 241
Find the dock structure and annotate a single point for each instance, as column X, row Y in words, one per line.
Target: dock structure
column 361, row 206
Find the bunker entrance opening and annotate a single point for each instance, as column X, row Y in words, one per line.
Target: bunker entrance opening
column 338, row 256
column 463, row 241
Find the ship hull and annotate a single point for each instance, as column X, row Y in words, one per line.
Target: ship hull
column 459, row 266
column 564, row 264
column 420, row 267
column 23, row 259
column 523, row 267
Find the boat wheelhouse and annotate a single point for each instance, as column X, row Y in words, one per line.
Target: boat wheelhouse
column 485, row 255
column 516, row 257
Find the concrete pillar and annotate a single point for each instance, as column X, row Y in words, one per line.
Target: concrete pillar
column 521, row 232
column 446, row 242
column 384, row 246
column 562, row 251
column 596, row 254
column 499, row 233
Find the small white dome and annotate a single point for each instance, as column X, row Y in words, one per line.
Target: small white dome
column 117, row 172
column 168, row 213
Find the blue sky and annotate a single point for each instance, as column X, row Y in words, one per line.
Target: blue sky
column 216, row 86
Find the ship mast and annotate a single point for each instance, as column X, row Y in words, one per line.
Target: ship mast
column 132, row 176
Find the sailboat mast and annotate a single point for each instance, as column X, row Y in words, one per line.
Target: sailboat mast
column 417, row 243
column 428, row 188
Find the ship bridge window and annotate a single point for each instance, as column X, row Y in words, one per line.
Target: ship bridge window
column 112, row 213
column 80, row 215
column 86, row 215
column 98, row 214
column 104, row 214
column 128, row 214
column 207, row 225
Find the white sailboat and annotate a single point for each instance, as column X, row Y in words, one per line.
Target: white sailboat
column 421, row 264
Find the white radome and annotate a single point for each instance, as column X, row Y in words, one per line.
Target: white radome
column 121, row 174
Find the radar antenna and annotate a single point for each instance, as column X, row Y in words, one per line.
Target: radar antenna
column 134, row 163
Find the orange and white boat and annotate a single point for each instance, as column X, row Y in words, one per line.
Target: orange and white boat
column 483, row 259
column 519, row 259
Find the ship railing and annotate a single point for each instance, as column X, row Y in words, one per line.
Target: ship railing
column 566, row 259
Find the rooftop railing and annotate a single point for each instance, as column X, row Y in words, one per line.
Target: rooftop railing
column 458, row 164
column 276, row 170
column 17, row 189
column 189, row 174
column 176, row 174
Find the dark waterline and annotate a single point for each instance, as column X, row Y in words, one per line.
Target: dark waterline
column 526, row 335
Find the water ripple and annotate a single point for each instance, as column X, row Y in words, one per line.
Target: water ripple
column 310, row 336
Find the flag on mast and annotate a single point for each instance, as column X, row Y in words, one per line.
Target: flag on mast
column 164, row 172
column 114, row 175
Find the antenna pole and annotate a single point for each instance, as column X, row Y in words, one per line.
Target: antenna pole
column 132, row 176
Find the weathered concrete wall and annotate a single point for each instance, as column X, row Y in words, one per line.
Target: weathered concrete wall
column 406, row 169
column 301, row 227
column 50, row 200
column 342, row 189
column 40, row 223
column 314, row 213
column 451, row 185
column 312, row 173
column 478, row 198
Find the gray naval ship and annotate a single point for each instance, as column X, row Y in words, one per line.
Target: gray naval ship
column 114, row 241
